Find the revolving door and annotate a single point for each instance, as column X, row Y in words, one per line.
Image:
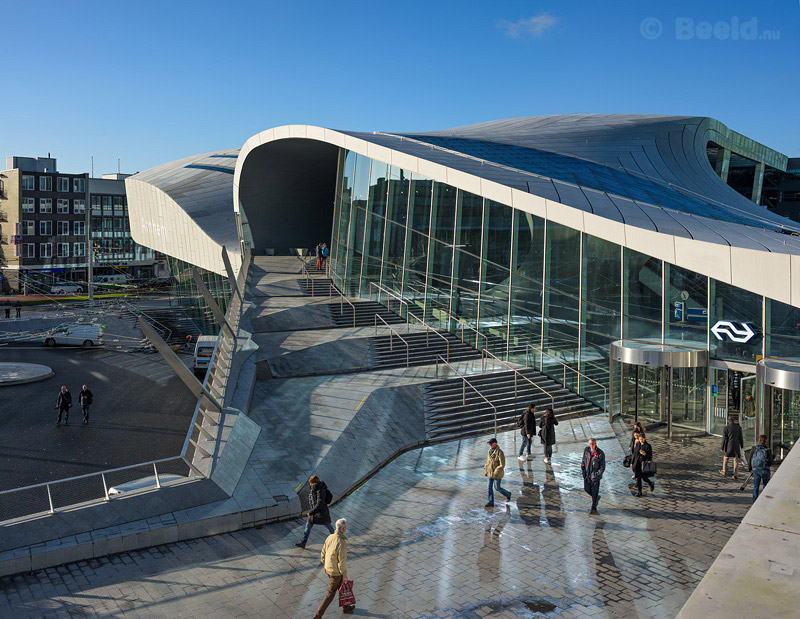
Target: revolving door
column 657, row 383
column 778, row 386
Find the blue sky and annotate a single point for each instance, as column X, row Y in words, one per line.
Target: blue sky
column 153, row 81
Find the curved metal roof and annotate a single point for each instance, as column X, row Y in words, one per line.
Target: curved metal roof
column 202, row 185
column 651, row 172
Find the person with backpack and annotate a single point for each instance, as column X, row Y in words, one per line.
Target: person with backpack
column 527, row 427
column 732, row 443
column 760, row 461
column 319, row 498
column 85, row 400
column 547, row 433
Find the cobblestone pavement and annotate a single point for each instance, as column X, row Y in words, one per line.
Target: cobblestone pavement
column 423, row 546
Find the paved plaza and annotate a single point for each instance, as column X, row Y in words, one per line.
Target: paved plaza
column 422, row 545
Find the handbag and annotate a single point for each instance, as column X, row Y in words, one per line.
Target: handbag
column 346, row 597
column 649, row 468
column 626, row 462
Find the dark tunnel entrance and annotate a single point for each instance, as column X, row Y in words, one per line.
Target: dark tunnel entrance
column 286, row 195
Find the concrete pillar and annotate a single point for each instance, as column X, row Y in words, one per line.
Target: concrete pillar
column 723, row 163
column 758, row 182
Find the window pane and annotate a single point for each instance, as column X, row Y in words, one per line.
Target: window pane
column 526, row 288
column 642, row 304
column 686, row 306
column 741, row 308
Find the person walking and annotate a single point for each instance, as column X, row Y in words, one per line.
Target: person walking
column 318, row 251
column 325, row 252
column 638, row 429
column 527, row 426
column 8, row 309
column 85, row 398
column 18, row 307
column 547, row 433
column 318, row 513
column 593, row 465
column 63, row 404
column 642, row 452
column 334, row 560
column 760, row 461
column 494, row 469
column 732, row 443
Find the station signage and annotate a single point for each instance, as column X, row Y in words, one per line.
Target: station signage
column 735, row 332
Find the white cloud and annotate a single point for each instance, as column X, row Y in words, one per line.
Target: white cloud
column 529, row 28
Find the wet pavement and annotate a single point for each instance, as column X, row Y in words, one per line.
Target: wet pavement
column 423, row 546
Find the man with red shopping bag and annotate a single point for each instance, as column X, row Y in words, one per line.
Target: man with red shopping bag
column 334, row 558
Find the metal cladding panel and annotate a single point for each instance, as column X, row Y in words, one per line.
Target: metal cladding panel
column 664, row 221
column 603, row 206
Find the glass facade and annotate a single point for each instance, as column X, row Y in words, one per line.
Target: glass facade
column 186, row 293
column 537, row 292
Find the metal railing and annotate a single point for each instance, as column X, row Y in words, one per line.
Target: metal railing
column 566, row 367
column 464, row 384
column 392, row 333
column 517, row 374
column 92, row 487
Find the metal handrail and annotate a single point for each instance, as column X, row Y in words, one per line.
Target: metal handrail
column 464, row 324
column 393, row 332
column 428, row 329
column 464, row 388
column 485, row 352
column 566, row 367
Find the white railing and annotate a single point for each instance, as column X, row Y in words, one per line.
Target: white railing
column 49, row 497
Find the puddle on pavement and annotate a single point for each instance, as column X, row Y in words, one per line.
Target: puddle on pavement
column 539, row 606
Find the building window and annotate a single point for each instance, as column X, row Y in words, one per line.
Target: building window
column 79, row 228
column 45, row 250
column 28, row 227
column 63, row 250
column 106, row 200
column 62, row 227
column 63, row 183
column 118, row 224
column 79, row 249
column 45, row 205
column 45, row 183
column 63, row 206
column 29, row 250
column 79, row 206
column 28, row 182
column 79, row 185
column 28, row 205
column 45, row 227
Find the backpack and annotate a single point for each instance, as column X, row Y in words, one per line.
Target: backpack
column 328, row 497
column 521, row 421
column 759, row 459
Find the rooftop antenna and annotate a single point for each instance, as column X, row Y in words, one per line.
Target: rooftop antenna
column 118, row 168
column 92, row 166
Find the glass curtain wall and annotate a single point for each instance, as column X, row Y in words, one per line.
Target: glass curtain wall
column 536, row 292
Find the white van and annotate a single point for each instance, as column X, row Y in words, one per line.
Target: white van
column 203, row 350
column 75, row 335
column 111, row 279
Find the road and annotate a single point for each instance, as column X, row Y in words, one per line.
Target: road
column 141, row 412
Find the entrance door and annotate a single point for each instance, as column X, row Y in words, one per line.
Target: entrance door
column 640, row 392
column 784, row 408
column 734, row 396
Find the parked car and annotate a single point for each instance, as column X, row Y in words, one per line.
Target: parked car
column 65, row 288
column 75, row 335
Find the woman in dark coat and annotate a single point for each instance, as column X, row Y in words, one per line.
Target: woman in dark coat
column 318, row 512
column 642, row 452
column 732, row 444
column 547, row 432
column 638, row 428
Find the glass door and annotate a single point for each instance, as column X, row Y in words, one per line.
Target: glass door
column 784, row 409
column 639, row 391
column 689, row 397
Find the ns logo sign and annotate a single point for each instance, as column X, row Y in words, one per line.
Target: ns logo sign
column 741, row 332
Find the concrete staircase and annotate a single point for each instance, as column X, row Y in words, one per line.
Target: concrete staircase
column 318, row 287
column 342, row 314
column 423, row 349
column 448, row 417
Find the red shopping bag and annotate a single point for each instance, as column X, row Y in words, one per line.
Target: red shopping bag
column 346, row 597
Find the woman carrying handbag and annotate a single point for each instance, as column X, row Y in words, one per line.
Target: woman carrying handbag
column 547, row 433
column 642, row 464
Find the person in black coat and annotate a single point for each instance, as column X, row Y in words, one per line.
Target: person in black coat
column 85, row 399
column 63, row 404
column 642, row 452
column 732, row 443
column 547, row 432
column 318, row 512
column 527, row 427
column 593, row 465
